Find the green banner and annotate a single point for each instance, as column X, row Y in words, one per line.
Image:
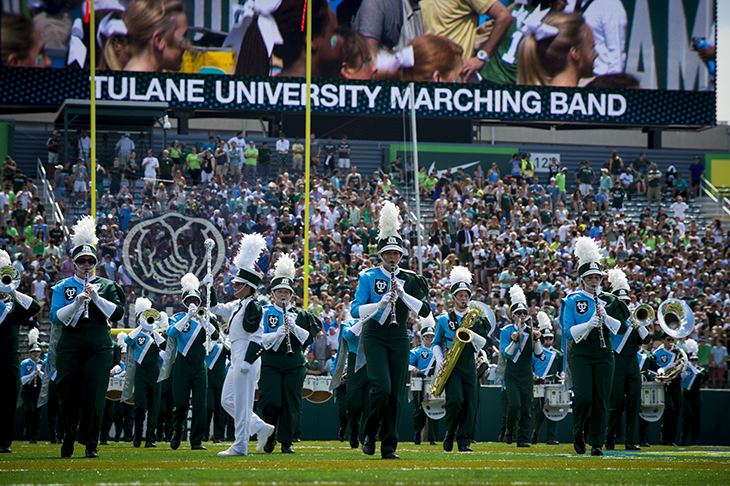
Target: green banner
column 442, row 157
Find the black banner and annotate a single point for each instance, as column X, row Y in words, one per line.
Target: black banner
column 49, row 88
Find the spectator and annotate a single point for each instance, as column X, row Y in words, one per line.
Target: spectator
column 640, row 167
column 718, row 364
column 84, row 146
column 585, row 177
column 297, row 150
column 679, row 209
column 343, row 153
column 696, row 172
column 654, row 184
column 125, row 147
column 193, row 165
column 251, row 154
column 151, row 167
column 282, row 151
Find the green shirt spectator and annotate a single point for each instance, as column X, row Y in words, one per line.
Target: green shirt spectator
column 193, row 160
column 251, row 154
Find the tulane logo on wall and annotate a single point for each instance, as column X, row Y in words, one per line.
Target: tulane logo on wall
column 157, row 252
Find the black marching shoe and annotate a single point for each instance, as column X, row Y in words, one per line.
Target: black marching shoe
column 150, row 444
column 610, row 443
column 5, row 450
column 286, row 449
column 197, row 447
column 175, row 442
column 632, row 447
column 91, row 452
column 354, row 443
column 533, row 439
column 431, row 442
column 417, row 439
column 645, row 444
column 67, row 449
column 579, row 444
column 508, row 436
column 596, row 451
column 368, row 446
column 270, row 444
column 523, row 444
column 552, row 442
column 341, row 434
column 390, row 455
column 465, row 448
column 137, row 442
column 449, row 444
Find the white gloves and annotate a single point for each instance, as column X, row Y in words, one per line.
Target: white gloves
column 24, row 300
column 438, row 355
column 192, row 310
column 69, row 315
column 246, row 367
column 300, row 333
column 511, row 348
column 477, row 341
column 537, row 348
column 580, row 331
column 180, row 325
column 643, row 332
column 207, row 280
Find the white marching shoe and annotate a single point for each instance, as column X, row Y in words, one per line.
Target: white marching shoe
column 262, row 436
column 230, row 452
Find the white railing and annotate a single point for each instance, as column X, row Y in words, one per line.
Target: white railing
column 48, row 195
column 712, row 192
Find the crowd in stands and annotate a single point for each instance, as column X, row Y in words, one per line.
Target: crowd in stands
column 508, row 227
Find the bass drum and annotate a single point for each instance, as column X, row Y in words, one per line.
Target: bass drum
column 320, row 389
column 435, row 407
column 652, row 401
column 557, row 402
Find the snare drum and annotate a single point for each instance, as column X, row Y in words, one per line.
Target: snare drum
column 308, row 387
column 320, row 389
column 114, row 390
column 416, row 384
column 652, row 401
column 557, row 402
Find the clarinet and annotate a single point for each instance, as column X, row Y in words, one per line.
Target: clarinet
column 209, row 244
column 287, row 334
column 393, row 298
column 86, row 302
column 600, row 320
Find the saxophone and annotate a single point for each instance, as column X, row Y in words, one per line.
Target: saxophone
column 462, row 338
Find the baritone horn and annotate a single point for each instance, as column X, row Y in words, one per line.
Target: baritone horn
column 676, row 318
column 9, row 279
column 643, row 315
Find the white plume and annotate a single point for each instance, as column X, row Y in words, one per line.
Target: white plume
column 690, row 346
column 517, row 295
column 4, row 258
column 249, row 251
column 141, row 304
column 618, row 279
column 164, row 322
column 389, row 222
column 460, row 274
column 84, row 232
column 33, row 336
column 284, row 266
column 543, row 321
column 586, row 250
column 120, row 338
column 189, row 282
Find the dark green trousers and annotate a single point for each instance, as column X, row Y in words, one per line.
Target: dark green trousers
column 539, row 418
column 461, row 400
column 420, row 418
column 164, row 416
column 215, row 413
column 340, row 395
column 519, row 400
column 386, row 350
column 280, row 398
column 357, row 397
column 591, row 370
column 672, row 409
column 146, row 402
column 83, row 360
column 625, row 397
column 189, row 377
column 10, row 383
column 30, row 395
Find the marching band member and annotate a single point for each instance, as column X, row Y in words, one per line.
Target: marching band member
column 462, row 386
column 383, row 299
column 16, row 309
column 122, row 413
column 243, row 316
column 626, row 388
column 215, row 362
column 518, row 343
column 648, row 368
column 420, row 364
column 83, row 306
column 287, row 331
column 31, row 374
column 692, row 379
column 143, row 369
column 665, row 356
column 548, row 368
column 110, row 406
column 189, row 374
column 357, row 384
column 586, row 322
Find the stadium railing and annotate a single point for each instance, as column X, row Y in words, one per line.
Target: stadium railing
column 50, row 197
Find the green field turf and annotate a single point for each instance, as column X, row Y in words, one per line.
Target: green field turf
column 335, row 463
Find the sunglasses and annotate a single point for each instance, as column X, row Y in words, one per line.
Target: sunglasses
column 86, row 261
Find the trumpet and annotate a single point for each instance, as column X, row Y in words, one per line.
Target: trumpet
column 643, row 315
column 201, row 312
column 9, row 279
column 151, row 316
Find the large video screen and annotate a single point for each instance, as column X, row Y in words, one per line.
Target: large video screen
column 630, row 62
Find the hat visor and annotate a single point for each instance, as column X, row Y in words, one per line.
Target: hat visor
column 390, row 247
column 244, row 281
column 85, row 253
column 428, row 334
column 282, row 286
column 592, row 271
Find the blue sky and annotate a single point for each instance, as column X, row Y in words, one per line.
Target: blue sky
column 723, row 61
